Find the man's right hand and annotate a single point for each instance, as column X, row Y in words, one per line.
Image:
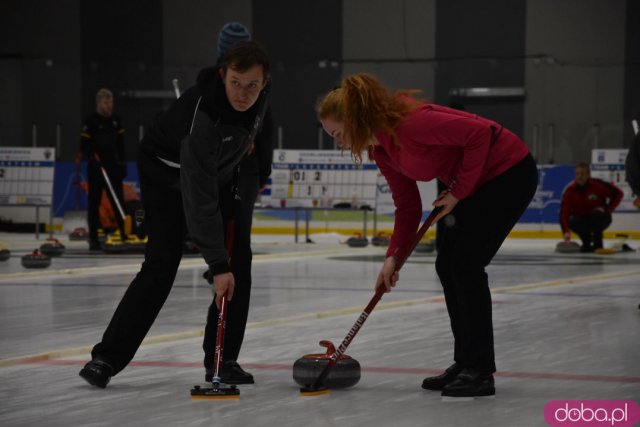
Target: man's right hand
column 224, row 284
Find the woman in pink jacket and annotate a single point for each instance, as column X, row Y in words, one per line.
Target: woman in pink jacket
column 491, row 179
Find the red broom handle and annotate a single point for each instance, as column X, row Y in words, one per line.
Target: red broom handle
column 222, row 315
column 402, row 257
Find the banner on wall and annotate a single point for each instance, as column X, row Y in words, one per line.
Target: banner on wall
column 545, row 206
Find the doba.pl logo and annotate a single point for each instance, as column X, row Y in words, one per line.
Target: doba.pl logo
column 592, row 413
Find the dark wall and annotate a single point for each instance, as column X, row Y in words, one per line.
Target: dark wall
column 581, row 67
column 632, row 70
column 122, row 50
column 482, row 44
column 39, row 56
column 304, row 42
column 55, row 55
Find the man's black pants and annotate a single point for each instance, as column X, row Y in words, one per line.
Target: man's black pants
column 590, row 227
column 147, row 293
column 238, row 308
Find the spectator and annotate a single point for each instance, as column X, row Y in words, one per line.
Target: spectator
column 102, row 144
column 587, row 205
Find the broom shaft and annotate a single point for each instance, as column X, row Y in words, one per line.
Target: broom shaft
column 374, row 301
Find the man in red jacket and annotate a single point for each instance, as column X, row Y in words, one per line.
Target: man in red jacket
column 587, row 205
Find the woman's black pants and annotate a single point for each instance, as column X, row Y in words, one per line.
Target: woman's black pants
column 482, row 223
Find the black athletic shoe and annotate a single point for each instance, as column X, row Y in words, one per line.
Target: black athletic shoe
column 438, row 383
column 97, row 372
column 231, row 373
column 470, row 383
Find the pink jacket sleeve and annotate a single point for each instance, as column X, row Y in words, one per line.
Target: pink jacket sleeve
column 475, row 141
column 406, row 198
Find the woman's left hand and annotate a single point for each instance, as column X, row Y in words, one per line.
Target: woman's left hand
column 447, row 201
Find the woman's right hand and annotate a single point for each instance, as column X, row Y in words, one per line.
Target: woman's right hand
column 388, row 276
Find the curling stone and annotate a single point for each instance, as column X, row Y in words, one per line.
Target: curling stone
column 426, row 247
column 79, row 233
column 380, row 240
column 568, row 247
column 357, row 241
column 52, row 247
column 36, row 259
column 345, row 373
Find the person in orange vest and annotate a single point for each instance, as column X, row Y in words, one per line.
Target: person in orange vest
column 103, row 134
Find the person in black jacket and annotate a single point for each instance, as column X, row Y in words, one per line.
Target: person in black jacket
column 253, row 172
column 103, row 135
column 187, row 153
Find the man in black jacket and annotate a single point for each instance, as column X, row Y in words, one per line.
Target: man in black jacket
column 187, row 153
column 253, row 172
column 103, row 135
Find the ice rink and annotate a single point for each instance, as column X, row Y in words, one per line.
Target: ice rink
column 567, row 327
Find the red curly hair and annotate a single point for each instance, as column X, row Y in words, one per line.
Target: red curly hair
column 364, row 105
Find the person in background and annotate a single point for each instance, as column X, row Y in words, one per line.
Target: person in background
column 187, row 154
column 587, row 205
column 490, row 178
column 103, row 134
column 253, row 173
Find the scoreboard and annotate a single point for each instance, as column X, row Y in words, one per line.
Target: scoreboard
column 322, row 178
column 609, row 165
column 26, row 175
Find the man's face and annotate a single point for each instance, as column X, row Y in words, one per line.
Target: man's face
column 243, row 89
column 582, row 175
column 104, row 107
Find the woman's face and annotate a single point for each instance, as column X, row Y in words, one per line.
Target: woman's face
column 336, row 130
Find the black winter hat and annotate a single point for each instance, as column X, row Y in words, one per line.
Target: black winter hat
column 230, row 34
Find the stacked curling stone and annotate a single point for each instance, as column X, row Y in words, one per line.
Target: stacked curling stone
column 36, row 259
column 5, row 253
column 381, row 239
column 357, row 241
column 78, row 234
column 52, row 247
column 567, row 247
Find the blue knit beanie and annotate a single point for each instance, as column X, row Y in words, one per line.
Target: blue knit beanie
column 230, row 34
